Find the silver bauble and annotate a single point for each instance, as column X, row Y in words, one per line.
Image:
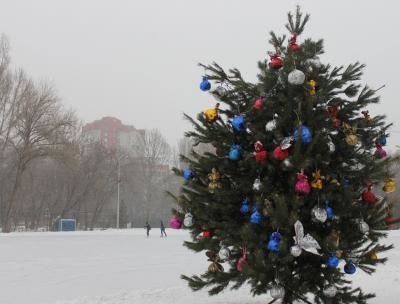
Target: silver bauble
column 295, row 250
column 319, row 214
column 257, row 184
column 188, row 220
column 224, row 254
column 330, row 291
column 296, row 77
column 277, row 291
column 271, row 125
column 363, row 226
column 221, row 91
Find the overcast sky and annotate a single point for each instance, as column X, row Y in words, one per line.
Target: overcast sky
column 137, row 60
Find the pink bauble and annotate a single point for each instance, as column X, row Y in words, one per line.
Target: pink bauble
column 241, row 263
column 175, row 223
column 380, row 152
column 302, row 187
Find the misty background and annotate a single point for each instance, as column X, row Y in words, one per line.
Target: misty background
column 137, row 61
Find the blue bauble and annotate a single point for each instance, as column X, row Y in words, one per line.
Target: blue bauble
column 350, row 268
column 255, row 217
column 238, row 124
column 329, row 213
column 346, row 183
column 332, row 262
column 187, row 174
column 234, row 153
column 273, row 243
column 273, row 246
column 381, row 140
column 205, row 85
column 245, row 208
column 275, row 236
column 306, row 136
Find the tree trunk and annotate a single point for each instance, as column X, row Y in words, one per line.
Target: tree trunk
column 6, row 222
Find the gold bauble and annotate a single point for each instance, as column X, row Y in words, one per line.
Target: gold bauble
column 316, row 183
column 312, row 84
column 352, row 139
column 335, row 182
column 211, row 115
column 333, row 240
column 389, row 186
column 373, row 257
column 213, row 177
column 213, row 186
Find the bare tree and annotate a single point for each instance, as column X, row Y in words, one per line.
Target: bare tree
column 40, row 128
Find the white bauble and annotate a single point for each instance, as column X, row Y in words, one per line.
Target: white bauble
column 295, row 250
column 257, row 184
column 277, row 291
column 271, row 125
column 224, row 254
column 319, row 214
column 330, row 291
column 296, row 77
column 188, row 220
column 363, row 226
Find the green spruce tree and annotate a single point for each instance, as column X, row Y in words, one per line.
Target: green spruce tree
column 287, row 195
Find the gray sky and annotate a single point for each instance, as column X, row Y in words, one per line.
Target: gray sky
column 137, row 60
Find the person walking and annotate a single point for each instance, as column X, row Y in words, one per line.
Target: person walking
column 148, row 228
column 162, row 227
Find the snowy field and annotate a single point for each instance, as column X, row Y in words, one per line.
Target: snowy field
column 123, row 267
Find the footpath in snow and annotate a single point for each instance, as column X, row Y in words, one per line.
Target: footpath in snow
column 124, row 267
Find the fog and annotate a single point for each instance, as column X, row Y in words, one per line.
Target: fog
column 137, row 60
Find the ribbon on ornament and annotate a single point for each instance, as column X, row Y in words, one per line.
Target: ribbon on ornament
column 307, row 242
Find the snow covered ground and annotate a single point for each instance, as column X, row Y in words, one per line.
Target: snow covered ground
column 123, row 267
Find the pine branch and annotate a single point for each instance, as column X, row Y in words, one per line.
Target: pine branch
column 297, row 26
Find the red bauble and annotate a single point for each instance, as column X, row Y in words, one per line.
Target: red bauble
column 333, row 110
column 392, row 220
column 294, row 47
column 336, row 123
column 293, row 44
column 206, row 234
column 368, row 196
column 261, row 156
column 276, row 62
column 258, row 104
column 280, row 154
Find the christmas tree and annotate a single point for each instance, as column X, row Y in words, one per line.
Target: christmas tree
column 286, row 203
